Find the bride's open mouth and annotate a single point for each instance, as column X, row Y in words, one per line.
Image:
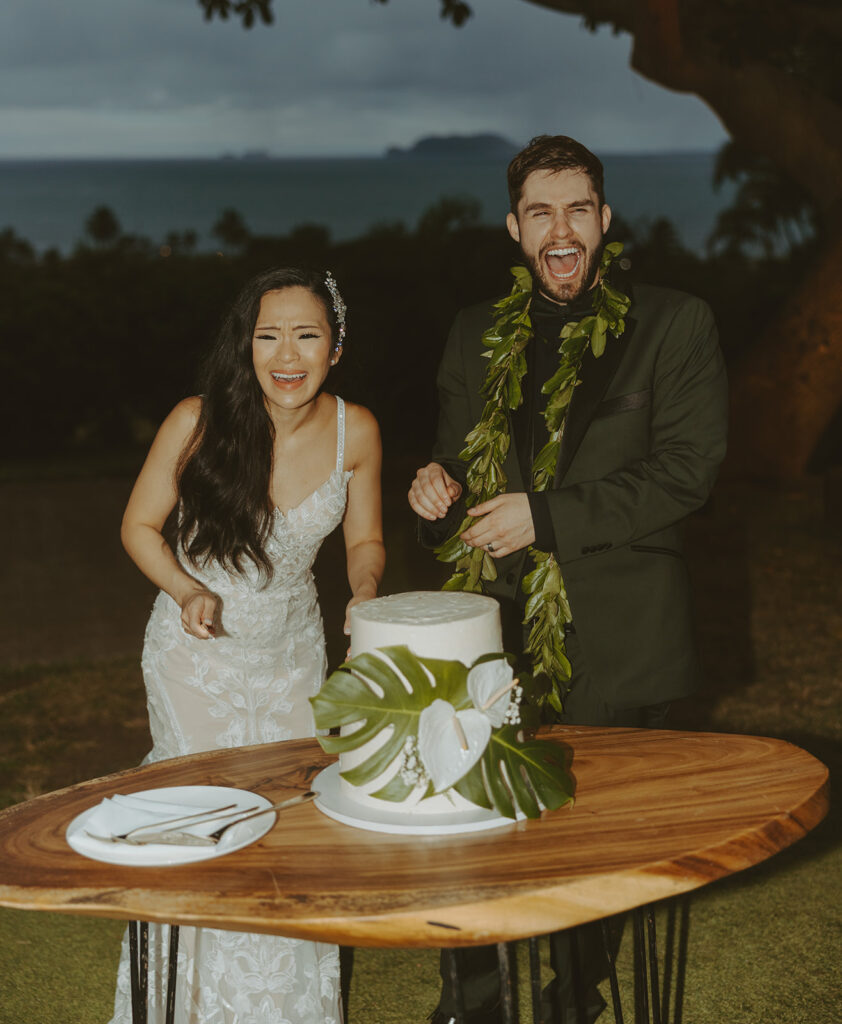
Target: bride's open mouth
column 564, row 262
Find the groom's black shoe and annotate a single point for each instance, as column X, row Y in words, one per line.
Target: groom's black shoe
column 484, row 1015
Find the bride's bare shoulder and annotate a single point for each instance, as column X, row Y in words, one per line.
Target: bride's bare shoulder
column 362, row 433
column 361, row 422
column 180, row 424
column 188, row 410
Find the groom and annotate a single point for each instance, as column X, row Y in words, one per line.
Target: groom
column 642, row 440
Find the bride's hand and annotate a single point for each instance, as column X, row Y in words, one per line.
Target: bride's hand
column 199, row 614
column 356, row 599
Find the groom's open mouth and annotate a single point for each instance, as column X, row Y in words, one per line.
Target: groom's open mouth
column 563, row 263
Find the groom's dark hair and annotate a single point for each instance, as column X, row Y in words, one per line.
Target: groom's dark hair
column 553, row 153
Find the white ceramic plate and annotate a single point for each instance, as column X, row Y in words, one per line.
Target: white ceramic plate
column 159, row 854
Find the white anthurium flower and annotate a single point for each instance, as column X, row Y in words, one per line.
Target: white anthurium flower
column 450, row 742
column 490, row 688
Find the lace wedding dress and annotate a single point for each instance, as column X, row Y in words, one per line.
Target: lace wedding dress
column 250, row 684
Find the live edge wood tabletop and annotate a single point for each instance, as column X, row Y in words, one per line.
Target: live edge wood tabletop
column 657, row 813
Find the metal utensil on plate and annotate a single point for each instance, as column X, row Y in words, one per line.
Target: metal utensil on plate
column 175, row 837
column 198, row 818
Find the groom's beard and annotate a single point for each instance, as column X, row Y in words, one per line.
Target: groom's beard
column 558, row 291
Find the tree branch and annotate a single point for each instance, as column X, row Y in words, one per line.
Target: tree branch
column 617, row 13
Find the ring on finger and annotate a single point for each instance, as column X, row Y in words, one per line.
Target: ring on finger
column 489, row 546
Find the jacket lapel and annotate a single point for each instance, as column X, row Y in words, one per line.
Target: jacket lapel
column 595, row 376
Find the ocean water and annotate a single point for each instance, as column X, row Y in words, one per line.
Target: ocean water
column 47, row 202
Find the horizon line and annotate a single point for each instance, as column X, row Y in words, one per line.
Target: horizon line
column 247, row 157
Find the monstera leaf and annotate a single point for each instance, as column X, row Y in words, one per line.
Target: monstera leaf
column 368, row 690
column 518, row 773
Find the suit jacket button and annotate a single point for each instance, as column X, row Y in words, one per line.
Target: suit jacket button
column 511, row 577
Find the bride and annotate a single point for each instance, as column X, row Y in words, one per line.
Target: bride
column 261, row 468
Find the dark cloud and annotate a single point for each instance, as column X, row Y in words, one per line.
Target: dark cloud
column 348, row 76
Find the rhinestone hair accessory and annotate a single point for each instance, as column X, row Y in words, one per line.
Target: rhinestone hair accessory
column 339, row 307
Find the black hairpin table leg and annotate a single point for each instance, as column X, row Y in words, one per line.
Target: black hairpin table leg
column 139, row 969
column 641, row 986
column 612, row 972
column 653, row 965
column 681, row 972
column 172, row 974
column 669, row 960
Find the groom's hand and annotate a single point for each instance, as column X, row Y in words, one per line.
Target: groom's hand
column 504, row 524
column 433, row 491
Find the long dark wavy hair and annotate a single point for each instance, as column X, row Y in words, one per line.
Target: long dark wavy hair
column 224, row 472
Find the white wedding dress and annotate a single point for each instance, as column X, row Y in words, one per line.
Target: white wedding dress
column 250, row 684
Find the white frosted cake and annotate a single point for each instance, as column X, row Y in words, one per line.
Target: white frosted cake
column 432, row 624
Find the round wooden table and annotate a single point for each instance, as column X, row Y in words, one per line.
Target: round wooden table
column 657, row 813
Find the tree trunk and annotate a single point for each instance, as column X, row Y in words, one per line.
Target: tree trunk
column 787, row 389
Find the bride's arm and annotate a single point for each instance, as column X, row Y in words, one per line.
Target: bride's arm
column 152, row 499
column 362, row 525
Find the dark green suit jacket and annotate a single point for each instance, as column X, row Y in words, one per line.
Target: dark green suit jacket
column 644, row 436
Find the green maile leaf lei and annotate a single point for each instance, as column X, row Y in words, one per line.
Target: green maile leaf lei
column 486, row 446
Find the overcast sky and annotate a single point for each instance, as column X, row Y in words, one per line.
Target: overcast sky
column 151, row 78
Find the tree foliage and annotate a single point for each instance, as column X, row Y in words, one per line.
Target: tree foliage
column 135, row 315
column 102, row 226
column 251, row 11
column 231, row 229
column 769, row 214
column 248, row 11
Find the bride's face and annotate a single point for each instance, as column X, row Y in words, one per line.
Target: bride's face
column 291, row 348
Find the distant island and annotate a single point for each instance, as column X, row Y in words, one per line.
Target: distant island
column 254, row 155
column 434, row 147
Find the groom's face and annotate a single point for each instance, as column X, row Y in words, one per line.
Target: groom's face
column 560, row 226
